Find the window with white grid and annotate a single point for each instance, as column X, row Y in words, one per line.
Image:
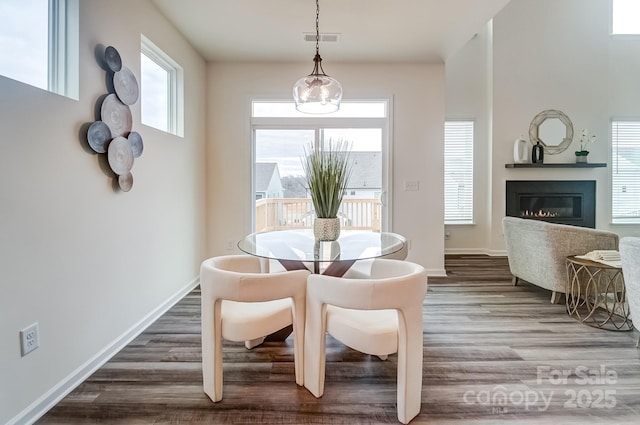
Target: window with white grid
column 458, row 172
column 625, row 171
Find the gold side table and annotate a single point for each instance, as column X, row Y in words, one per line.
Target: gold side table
column 596, row 295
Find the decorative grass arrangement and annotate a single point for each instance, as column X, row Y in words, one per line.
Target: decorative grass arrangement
column 327, row 173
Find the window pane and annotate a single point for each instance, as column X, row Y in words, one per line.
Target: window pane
column 360, row 139
column 155, row 94
column 458, row 172
column 281, row 197
column 24, row 41
column 625, row 171
column 361, row 206
column 283, row 147
column 626, row 17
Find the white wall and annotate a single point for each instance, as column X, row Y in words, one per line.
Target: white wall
column 85, row 261
column 418, row 116
column 468, row 91
column 546, row 55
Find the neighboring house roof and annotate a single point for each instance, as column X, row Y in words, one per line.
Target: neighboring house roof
column 366, row 172
column 264, row 174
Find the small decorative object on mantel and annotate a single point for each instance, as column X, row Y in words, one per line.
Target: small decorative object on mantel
column 111, row 133
column 537, row 153
column 520, row 151
column 583, row 154
column 327, row 172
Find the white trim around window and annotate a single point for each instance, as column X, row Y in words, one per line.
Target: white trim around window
column 173, row 92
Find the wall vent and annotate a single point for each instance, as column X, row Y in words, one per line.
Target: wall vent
column 325, row 38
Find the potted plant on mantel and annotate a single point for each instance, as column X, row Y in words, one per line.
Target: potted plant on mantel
column 327, row 173
column 581, row 155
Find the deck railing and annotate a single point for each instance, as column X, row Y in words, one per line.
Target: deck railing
column 297, row 213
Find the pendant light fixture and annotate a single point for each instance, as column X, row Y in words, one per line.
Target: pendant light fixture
column 317, row 93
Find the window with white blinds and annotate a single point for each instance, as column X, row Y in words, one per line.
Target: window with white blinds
column 458, row 172
column 625, row 171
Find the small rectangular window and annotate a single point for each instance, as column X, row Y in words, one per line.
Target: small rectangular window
column 625, row 17
column 39, row 44
column 458, row 172
column 162, row 88
column 625, row 171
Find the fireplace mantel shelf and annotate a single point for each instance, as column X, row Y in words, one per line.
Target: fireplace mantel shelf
column 558, row 165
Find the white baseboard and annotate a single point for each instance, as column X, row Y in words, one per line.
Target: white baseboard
column 476, row 251
column 436, row 272
column 497, row 252
column 52, row 397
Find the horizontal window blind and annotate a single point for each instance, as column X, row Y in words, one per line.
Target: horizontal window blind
column 458, row 172
column 625, row 171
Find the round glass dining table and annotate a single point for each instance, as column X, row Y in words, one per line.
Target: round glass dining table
column 294, row 248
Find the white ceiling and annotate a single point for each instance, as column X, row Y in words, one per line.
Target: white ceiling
column 369, row 30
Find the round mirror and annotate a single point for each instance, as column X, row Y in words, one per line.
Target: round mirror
column 553, row 129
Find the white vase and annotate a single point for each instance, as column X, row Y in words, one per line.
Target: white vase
column 326, row 229
column 520, row 151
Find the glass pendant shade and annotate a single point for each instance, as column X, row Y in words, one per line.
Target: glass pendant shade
column 317, row 93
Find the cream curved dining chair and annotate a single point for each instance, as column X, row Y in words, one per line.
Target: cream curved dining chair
column 240, row 302
column 378, row 315
column 630, row 256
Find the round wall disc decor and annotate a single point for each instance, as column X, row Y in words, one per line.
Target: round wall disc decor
column 125, row 182
column 112, row 59
column 116, row 115
column 111, row 132
column 126, row 86
column 120, row 156
column 135, row 140
column 99, row 136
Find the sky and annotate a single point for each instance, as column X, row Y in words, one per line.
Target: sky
column 286, row 147
column 24, row 44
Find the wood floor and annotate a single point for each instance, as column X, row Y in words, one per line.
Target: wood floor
column 493, row 354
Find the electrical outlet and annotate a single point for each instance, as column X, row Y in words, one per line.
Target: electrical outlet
column 230, row 245
column 447, row 235
column 29, row 339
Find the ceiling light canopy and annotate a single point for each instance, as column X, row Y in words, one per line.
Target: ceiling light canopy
column 317, row 93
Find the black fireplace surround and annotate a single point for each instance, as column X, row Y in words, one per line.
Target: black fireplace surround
column 557, row 201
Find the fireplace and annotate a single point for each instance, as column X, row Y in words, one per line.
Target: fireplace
column 557, row 201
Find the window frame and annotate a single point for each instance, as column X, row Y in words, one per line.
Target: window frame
column 63, row 47
column 470, row 218
column 318, row 123
column 175, row 86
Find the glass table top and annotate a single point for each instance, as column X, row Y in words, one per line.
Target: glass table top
column 300, row 245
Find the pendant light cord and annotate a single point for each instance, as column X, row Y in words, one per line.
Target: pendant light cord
column 317, row 27
column 317, row 60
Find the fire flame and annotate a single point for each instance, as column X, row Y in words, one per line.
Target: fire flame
column 538, row 214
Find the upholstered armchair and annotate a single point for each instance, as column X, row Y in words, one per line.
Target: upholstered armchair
column 538, row 250
column 240, row 302
column 630, row 256
column 378, row 315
